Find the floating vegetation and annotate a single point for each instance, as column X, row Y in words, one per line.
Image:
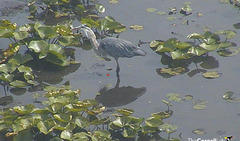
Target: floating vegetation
column 211, row 74
column 199, row 131
column 228, row 52
column 228, row 96
column 177, row 53
column 48, row 42
column 171, row 71
column 151, row 10
column 64, row 116
column 199, row 104
column 136, row 27
column 186, row 9
column 173, row 97
column 113, row 1
column 171, row 18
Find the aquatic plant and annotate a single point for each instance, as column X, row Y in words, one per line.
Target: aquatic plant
column 65, row 117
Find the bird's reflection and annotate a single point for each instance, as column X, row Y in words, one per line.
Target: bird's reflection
column 119, row 96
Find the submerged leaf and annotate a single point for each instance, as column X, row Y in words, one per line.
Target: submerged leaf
column 228, row 52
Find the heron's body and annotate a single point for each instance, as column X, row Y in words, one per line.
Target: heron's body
column 117, row 48
column 111, row 46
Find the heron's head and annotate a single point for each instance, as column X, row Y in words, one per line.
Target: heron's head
column 86, row 31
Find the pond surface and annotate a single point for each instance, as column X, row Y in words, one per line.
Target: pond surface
column 141, row 88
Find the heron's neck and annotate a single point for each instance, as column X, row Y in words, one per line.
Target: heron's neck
column 94, row 43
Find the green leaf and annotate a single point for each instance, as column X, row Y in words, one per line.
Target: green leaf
column 109, row 24
column 156, row 43
column 125, row 111
column 39, row 46
column 6, row 77
column 18, row 84
column 66, row 134
column 196, row 51
column 174, row 97
column 183, row 45
column 168, row 45
column 211, row 74
column 153, row 122
column 82, row 136
column 129, row 132
column 24, row 109
column 90, row 22
column 195, row 36
column 103, row 133
column 63, row 117
column 82, row 122
column 179, row 55
column 163, row 115
column 46, row 126
column 208, row 47
column 199, row 131
column 166, row 127
column 151, row 10
column 199, row 106
column 225, row 44
column 6, row 33
column 148, row 129
column 23, row 68
column 20, row 35
column 47, row 32
column 56, row 48
column 210, row 38
column 136, row 27
column 80, row 9
column 228, row 33
column 121, row 121
column 228, row 52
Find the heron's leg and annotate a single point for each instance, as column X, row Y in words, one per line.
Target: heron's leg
column 118, row 68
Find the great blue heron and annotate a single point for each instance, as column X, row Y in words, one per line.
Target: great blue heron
column 111, row 46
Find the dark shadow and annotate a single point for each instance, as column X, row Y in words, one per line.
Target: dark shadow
column 119, row 96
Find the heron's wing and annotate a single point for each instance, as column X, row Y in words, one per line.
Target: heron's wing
column 120, row 48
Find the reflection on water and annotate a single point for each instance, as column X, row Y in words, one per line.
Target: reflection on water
column 119, row 96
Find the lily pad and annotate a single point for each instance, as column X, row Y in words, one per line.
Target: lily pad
column 174, row 97
column 187, row 97
column 211, row 74
column 228, row 52
column 172, row 71
column 136, row 27
column 199, row 106
column 166, row 127
column 161, row 13
column 228, row 96
column 171, row 18
column 151, row 10
column 199, row 131
column 113, row 1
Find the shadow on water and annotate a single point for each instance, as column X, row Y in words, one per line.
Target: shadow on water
column 202, row 64
column 119, row 96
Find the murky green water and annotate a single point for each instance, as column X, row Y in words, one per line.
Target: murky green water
column 140, row 72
